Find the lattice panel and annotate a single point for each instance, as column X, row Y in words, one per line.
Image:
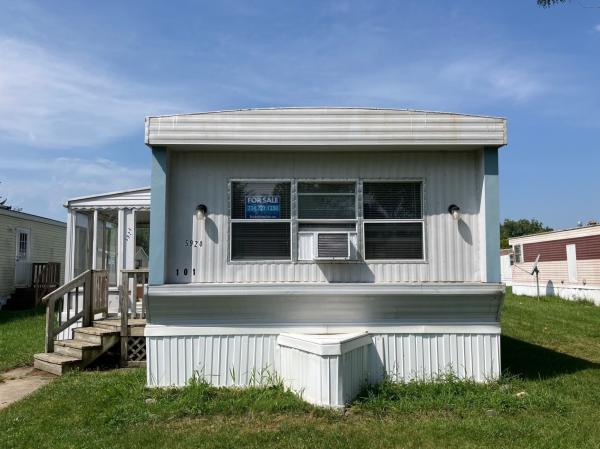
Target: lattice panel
column 136, row 349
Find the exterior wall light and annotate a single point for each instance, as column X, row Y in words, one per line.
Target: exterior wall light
column 454, row 210
column 202, row 210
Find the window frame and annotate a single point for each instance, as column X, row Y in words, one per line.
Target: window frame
column 422, row 221
column 259, row 220
column 521, row 258
column 359, row 221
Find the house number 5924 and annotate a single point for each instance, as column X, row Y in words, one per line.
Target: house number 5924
column 193, row 243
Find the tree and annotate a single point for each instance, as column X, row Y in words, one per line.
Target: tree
column 4, row 202
column 517, row 228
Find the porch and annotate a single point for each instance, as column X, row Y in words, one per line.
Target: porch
column 80, row 328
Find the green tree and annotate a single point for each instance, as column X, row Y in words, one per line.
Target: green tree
column 517, row 228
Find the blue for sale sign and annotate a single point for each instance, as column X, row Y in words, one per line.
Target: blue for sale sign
column 263, row 206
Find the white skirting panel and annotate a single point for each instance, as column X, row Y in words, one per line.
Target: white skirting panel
column 222, row 360
column 230, row 360
column 405, row 357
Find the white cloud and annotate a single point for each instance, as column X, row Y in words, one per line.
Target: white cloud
column 41, row 186
column 47, row 100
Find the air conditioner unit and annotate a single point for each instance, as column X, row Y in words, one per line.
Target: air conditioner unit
column 332, row 246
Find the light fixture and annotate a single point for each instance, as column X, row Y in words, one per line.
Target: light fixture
column 202, row 210
column 454, row 210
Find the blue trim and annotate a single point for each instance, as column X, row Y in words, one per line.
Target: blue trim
column 158, row 216
column 492, row 213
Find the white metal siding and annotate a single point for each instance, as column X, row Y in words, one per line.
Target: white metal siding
column 329, row 380
column 226, row 360
column 325, row 126
column 47, row 245
column 452, row 248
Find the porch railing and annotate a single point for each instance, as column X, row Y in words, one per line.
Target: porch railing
column 80, row 299
column 45, row 277
column 133, row 294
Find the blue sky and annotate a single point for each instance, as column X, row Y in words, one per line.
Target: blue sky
column 77, row 79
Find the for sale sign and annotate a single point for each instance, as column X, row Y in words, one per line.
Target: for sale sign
column 262, row 206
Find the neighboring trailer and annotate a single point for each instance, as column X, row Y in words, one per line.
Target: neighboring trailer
column 569, row 263
column 324, row 221
column 25, row 240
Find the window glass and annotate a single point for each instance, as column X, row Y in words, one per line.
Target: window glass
column 393, row 240
column 326, row 200
column 82, row 244
column 392, row 200
column 518, row 254
column 260, row 200
column 260, row 241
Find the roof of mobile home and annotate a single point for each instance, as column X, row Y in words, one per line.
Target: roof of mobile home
column 582, row 231
column 328, row 127
column 31, row 217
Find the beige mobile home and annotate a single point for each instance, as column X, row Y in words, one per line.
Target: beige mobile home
column 32, row 255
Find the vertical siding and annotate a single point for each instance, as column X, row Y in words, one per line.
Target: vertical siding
column 47, row 245
column 227, row 360
column 449, row 178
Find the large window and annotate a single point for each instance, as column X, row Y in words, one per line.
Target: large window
column 262, row 212
column 393, row 220
column 260, row 220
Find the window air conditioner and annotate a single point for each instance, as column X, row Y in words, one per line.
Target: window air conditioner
column 332, row 246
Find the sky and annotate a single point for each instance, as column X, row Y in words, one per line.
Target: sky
column 78, row 78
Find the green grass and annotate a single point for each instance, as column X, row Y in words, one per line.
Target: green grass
column 21, row 336
column 549, row 398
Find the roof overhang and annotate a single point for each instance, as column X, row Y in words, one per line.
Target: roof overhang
column 130, row 199
column 325, row 128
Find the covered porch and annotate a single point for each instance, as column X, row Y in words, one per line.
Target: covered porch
column 110, row 232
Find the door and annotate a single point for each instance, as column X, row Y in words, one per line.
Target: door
column 23, row 258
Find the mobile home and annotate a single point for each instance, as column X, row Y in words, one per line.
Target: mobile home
column 328, row 246
column 568, row 263
column 31, row 256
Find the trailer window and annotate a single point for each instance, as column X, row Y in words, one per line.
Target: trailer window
column 518, row 249
column 393, row 221
column 260, row 220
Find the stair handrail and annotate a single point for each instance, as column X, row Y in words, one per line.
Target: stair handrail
column 126, row 276
column 86, row 314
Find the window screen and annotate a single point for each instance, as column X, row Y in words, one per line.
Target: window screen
column 392, row 200
column 260, row 200
column 393, row 220
column 260, row 241
column 326, row 200
column 393, row 240
column 260, row 215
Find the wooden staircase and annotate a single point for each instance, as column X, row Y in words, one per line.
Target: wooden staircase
column 73, row 310
column 88, row 344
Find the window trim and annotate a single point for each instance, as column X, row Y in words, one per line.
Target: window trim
column 422, row 220
column 359, row 221
column 258, row 220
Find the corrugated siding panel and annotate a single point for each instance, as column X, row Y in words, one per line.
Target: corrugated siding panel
column 555, row 274
column 202, row 178
column 325, row 126
column 405, row 357
column 555, row 250
column 47, row 245
column 138, row 199
column 227, row 360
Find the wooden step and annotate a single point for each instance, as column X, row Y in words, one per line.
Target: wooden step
column 55, row 363
column 114, row 325
column 80, row 349
column 93, row 334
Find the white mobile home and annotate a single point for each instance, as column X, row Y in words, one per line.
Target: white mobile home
column 568, row 263
column 328, row 246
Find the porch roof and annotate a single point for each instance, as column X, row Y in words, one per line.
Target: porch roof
column 131, row 199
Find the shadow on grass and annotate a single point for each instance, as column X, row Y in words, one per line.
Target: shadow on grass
column 7, row 316
column 536, row 362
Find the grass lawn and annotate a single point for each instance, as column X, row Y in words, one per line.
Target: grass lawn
column 21, row 336
column 549, row 399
